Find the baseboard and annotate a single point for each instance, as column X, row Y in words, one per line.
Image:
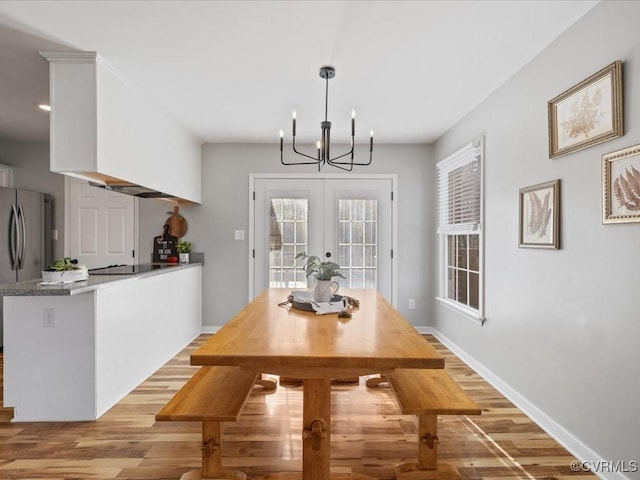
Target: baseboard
column 210, row 329
column 555, row 430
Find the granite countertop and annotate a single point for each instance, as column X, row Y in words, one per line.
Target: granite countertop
column 30, row 288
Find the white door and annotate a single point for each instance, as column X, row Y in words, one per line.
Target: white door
column 100, row 226
column 347, row 220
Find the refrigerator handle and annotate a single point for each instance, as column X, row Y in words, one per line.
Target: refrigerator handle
column 13, row 238
column 23, row 237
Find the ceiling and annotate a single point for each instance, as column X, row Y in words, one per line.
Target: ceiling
column 233, row 71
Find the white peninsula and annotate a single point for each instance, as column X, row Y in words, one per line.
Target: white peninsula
column 71, row 352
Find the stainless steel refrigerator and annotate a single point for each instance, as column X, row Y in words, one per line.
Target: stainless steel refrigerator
column 25, row 236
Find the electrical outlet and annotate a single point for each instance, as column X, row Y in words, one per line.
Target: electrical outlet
column 49, row 317
column 412, row 303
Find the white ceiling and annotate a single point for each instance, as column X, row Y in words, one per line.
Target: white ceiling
column 232, row 71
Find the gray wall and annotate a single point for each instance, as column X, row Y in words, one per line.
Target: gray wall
column 31, row 172
column 563, row 325
column 225, row 208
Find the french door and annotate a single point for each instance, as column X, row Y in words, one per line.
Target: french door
column 343, row 219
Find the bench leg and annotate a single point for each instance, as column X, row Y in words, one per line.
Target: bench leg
column 212, row 450
column 427, row 467
column 428, row 442
column 268, row 384
column 374, row 382
column 212, row 457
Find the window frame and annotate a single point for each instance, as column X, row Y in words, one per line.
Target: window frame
column 460, row 158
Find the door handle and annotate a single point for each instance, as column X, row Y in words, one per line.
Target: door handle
column 328, row 254
column 23, row 237
column 13, row 238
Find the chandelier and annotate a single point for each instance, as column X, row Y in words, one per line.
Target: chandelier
column 323, row 145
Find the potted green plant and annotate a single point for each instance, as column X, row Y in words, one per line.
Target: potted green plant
column 65, row 270
column 183, row 248
column 323, row 272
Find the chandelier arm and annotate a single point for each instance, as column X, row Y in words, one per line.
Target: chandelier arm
column 339, row 165
column 298, row 163
column 315, row 160
column 332, row 160
column 352, row 162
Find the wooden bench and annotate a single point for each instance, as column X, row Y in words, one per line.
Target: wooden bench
column 212, row 396
column 428, row 393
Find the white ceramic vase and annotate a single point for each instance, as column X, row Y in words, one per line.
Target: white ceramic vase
column 323, row 291
column 184, row 257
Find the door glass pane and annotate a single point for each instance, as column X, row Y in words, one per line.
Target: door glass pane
column 357, row 242
column 288, row 231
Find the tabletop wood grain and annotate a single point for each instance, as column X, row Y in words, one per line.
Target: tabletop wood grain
column 269, row 338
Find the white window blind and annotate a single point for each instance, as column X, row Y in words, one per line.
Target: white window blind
column 459, row 190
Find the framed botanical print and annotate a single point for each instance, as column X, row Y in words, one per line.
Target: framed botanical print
column 588, row 113
column 539, row 225
column 621, row 186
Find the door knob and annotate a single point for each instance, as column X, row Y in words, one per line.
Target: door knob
column 328, row 254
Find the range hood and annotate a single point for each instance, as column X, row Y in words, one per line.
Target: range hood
column 132, row 189
column 109, row 132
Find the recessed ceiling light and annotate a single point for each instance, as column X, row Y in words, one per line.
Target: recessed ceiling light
column 46, row 108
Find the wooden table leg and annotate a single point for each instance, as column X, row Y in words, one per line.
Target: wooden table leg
column 316, row 434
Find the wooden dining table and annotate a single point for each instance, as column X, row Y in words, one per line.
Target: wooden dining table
column 280, row 340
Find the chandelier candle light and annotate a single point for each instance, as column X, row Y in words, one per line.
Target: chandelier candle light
column 324, row 144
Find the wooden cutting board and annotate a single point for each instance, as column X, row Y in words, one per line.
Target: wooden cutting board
column 177, row 223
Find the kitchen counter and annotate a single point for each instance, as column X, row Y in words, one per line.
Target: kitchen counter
column 31, row 288
column 73, row 351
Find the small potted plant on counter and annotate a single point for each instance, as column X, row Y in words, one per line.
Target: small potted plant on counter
column 66, row 270
column 183, row 248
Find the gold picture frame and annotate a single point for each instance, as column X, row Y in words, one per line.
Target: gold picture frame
column 539, row 219
column 588, row 113
column 621, row 186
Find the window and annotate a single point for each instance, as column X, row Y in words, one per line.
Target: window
column 460, row 229
column 288, row 227
column 358, row 241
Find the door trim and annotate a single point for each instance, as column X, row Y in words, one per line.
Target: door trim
column 292, row 176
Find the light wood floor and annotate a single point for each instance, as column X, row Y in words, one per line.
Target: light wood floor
column 369, row 436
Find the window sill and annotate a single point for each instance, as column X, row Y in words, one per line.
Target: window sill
column 467, row 312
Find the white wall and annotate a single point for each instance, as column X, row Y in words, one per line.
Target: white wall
column 563, row 326
column 225, row 208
